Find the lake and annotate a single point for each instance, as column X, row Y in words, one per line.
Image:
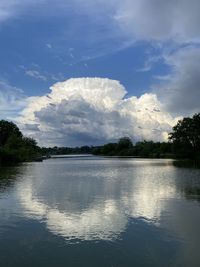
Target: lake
column 92, row 211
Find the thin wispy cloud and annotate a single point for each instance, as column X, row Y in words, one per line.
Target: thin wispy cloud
column 49, row 46
column 35, row 74
column 12, row 100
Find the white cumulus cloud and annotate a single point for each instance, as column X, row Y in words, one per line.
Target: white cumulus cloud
column 93, row 111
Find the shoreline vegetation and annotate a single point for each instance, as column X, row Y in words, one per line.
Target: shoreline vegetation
column 14, row 147
column 184, row 143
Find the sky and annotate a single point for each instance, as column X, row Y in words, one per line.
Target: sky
column 83, row 72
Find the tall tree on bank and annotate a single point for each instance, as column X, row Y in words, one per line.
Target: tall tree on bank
column 14, row 147
column 8, row 130
column 186, row 137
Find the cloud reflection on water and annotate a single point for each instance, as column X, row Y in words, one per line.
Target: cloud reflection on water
column 140, row 193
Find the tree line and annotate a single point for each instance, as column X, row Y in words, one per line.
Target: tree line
column 146, row 149
column 183, row 143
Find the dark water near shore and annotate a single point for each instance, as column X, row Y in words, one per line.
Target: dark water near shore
column 99, row 212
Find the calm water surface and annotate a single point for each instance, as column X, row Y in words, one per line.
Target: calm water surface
column 99, row 212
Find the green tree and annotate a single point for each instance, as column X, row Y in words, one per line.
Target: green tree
column 125, row 143
column 14, row 147
column 7, row 130
column 186, row 137
column 109, row 149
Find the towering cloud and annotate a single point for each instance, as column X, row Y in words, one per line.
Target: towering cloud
column 93, row 111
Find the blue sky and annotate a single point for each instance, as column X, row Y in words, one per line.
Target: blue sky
column 53, row 53
column 150, row 47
